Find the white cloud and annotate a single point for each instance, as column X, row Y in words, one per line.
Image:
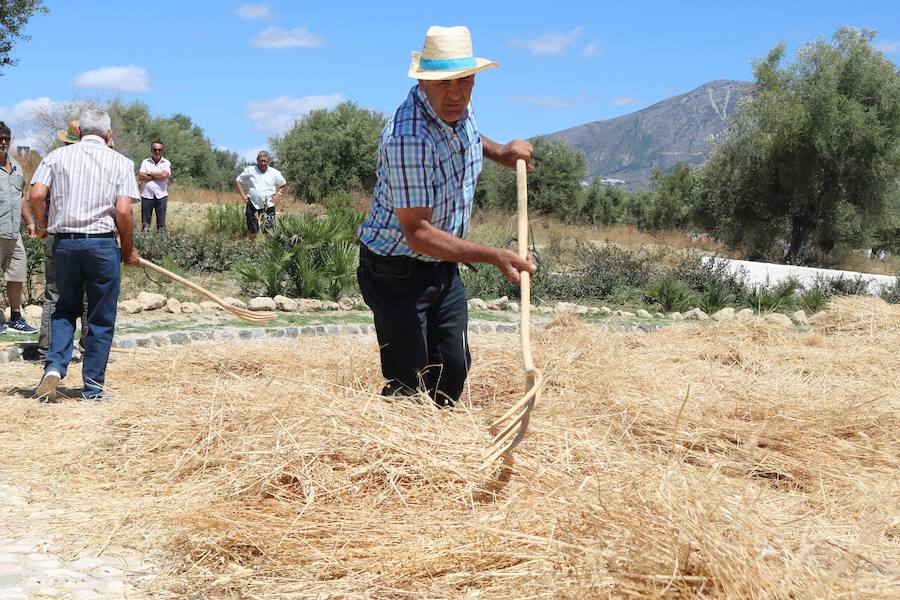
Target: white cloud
column 625, row 101
column 117, row 79
column 278, row 114
column 887, row 46
column 34, row 121
column 549, row 43
column 553, row 101
column 255, row 11
column 592, row 49
column 276, row 37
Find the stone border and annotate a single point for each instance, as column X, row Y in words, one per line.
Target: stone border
column 178, row 338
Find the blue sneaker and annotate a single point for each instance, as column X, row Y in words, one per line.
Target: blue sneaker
column 20, row 325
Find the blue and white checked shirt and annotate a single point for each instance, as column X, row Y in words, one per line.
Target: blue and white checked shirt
column 423, row 163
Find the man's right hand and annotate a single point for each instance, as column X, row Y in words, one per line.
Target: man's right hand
column 511, row 265
column 132, row 258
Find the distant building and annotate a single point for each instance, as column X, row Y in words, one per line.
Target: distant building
column 611, row 182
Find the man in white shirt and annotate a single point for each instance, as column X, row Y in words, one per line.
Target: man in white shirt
column 91, row 188
column 264, row 186
column 154, row 173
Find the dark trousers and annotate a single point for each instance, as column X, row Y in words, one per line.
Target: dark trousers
column 85, row 266
column 421, row 319
column 148, row 206
column 255, row 215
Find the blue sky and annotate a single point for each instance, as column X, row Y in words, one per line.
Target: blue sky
column 246, row 71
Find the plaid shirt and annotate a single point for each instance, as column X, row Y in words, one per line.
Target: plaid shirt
column 422, row 163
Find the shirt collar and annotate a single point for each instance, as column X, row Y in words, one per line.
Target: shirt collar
column 423, row 100
column 96, row 139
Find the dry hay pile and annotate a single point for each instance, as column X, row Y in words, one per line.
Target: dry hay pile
column 270, row 470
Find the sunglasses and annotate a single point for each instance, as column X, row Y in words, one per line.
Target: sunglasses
column 4, row 138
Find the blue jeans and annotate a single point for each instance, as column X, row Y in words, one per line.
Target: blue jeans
column 421, row 319
column 85, row 266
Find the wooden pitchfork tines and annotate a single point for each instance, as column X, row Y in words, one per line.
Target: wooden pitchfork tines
column 513, row 424
column 252, row 316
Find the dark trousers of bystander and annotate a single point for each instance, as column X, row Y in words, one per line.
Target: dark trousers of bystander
column 51, row 295
column 151, row 205
column 421, row 319
column 89, row 266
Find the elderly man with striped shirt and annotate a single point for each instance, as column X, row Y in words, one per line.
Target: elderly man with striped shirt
column 93, row 188
column 430, row 155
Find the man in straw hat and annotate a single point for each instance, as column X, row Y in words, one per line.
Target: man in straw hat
column 430, row 155
column 93, row 187
column 13, row 260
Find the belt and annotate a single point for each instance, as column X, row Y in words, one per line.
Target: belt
column 366, row 255
column 84, row 236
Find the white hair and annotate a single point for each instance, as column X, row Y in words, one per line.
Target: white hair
column 95, row 122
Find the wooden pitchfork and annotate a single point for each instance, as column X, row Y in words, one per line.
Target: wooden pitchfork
column 245, row 314
column 514, row 423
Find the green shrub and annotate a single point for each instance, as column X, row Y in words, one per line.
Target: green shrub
column 713, row 273
column 226, row 219
column 191, row 251
column 670, row 295
column 814, row 299
column 715, row 298
column 766, row 298
column 304, row 256
column 843, row 285
column 891, row 292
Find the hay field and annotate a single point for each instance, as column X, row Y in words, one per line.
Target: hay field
column 727, row 461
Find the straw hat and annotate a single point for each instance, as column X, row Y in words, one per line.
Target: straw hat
column 72, row 135
column 447, row 54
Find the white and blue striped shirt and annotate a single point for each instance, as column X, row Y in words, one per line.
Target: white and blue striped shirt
column 84, row 180
column 423, row 163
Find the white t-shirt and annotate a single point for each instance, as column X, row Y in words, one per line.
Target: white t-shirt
column 261, row 186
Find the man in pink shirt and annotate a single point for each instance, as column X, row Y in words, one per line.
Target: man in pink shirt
column 154, row 173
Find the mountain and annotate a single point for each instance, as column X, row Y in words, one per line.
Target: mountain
column 674, row 130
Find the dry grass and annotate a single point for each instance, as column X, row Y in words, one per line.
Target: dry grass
column 725, row 461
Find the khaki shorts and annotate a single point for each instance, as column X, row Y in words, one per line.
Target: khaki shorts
column 13, row 261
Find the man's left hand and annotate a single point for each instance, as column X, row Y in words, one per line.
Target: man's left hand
column 32, row 231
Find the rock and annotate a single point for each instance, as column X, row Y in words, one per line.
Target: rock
column 500, row 303
column 659, row 315
column 676, row 316
column 346, row 303
column 799, row 318
column 210, row 306
column 745, row 314
column 778, row 319
column 726, row 314
column 624, row 313
column 234, row 302
column 33, row 312
column 132, row 307
column 173, row 305
column 644, row 314
column 190, row 308
column 261, row 303
column 565, row 307
column 477, row 304
column 543, row 310
column 514, row 307
column 581, row 310
column 593, row 310
column 330, row 305
column 606, row 310
column 285, row 304
column 151, row 301
column 308, row 304
column 695, row 314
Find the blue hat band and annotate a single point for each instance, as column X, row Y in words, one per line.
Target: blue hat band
column 449, row 64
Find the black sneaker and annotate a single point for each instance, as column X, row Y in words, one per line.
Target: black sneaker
column 20, row 325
